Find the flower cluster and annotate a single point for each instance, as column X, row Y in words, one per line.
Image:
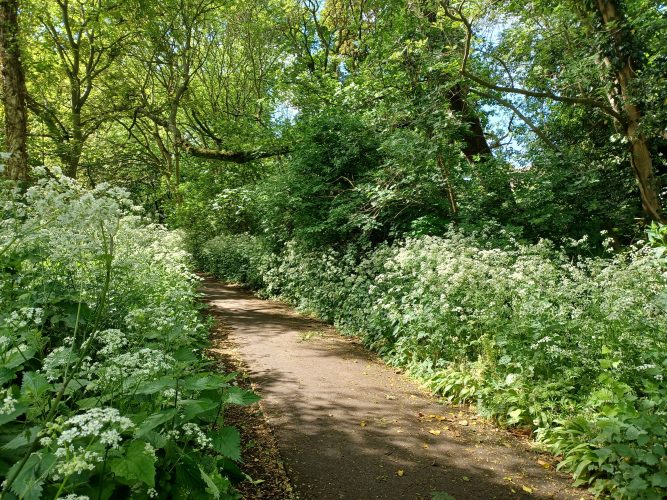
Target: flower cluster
column 8, row 403
column 144, row 364
column 75, row 438
column 194, row 433
column 94, row 303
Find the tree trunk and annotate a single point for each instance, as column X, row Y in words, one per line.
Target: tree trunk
column 75, row 146
column 620, row 98
column 474, row 139
column 14, row 90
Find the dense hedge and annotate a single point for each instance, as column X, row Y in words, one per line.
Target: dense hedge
column 573, row 348
column 105, row 389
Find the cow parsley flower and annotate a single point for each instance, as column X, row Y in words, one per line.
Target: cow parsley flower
column 195, row 433
column 144, row 363
column 8, row 403
column 74, row 436
column 112, row 340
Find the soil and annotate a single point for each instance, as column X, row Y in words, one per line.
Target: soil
column 335, row 422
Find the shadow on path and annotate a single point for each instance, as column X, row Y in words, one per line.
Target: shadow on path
column 349, row 426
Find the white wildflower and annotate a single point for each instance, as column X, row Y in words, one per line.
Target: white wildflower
column 145, row 364
column 194, row 432
column 8, row 403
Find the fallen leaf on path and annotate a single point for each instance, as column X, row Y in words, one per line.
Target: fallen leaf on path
column 527, row 489
column 424, row 445
column 435, row 432
column 390, row 397
column 544, row 464
column 464, row 423
column 362, row 423
column 507, row 478
column 465, row 478
column 400, row 472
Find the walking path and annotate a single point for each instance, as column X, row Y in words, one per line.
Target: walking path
column 349, row 426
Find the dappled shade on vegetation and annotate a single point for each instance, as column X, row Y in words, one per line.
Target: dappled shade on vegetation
column 473, row 187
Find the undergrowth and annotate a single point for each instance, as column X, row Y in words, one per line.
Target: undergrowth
column 105, row 389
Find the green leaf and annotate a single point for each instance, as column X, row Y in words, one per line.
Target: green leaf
column 211, row 488
column 185, row 355
column 581, row 467
column 28, row 483
column 227, row 442
column 207, row 381
column 198, row 408
column 22, row 440
column 637, row 485
column 659, row 479
column 632, row 433
column 154, row 420
column 34, row 385
column 16, row 358
column 136, row 466
column 238, row 396
column 158, row 385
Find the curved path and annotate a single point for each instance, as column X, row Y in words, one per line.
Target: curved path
column 349, row 426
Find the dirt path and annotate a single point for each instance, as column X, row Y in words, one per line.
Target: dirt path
column 348, row 426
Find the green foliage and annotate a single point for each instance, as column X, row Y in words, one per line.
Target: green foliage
column 234, row 258
column 315, row 198
column 106, row 390
column 572, row 349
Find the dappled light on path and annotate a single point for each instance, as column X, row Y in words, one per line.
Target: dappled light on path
column 349, row 426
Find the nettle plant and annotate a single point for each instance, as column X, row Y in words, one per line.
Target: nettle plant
column 105, row 387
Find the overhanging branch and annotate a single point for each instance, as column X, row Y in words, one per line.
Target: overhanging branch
column 456, row 14
column 232, row 156
column 215, row 154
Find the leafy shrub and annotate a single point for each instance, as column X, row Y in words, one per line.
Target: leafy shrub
column 573, row 348
column 104, row 384
column 234, row 258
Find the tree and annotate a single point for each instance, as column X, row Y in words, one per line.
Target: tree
column 187, row 85
column 14, row 92
column 88, row 39
column 613, row 84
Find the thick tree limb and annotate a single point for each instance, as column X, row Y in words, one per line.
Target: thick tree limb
column 232, row 156
column 215, row 154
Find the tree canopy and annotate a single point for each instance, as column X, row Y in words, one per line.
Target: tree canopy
column 537, row 115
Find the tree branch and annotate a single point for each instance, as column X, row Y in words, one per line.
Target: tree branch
column 458, row 16
column 535, row 129
column 215, row 154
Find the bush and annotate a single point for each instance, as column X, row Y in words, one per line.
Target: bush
column 237, row 258
column 106, row 390
column 572, row 348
